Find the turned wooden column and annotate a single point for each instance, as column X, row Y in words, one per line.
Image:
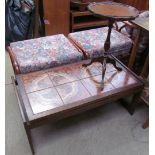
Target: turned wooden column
column 121, row 12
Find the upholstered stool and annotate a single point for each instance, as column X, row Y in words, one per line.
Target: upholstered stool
column 92, row 42
column 42, row 53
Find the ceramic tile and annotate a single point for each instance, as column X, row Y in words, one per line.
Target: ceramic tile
column 73, row 73
column 93, row 85
column 62, row 76
column 84, row 72
column 109, row 67
column 28, row 76
column 38, row 82
column 72, row 92
column 120, row 79
column 44, row 100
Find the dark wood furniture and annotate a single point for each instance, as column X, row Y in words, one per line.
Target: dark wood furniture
column 145, row 98
column 81, row 18
column 50, row 95
column 142, row 24
column 57, row 16
column 85, row 20
column 112, row 12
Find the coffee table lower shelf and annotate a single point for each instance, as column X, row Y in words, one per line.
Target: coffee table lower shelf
column 50, row 95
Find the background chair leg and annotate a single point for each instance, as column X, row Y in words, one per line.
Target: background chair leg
column 130, row 107
column 146, row 124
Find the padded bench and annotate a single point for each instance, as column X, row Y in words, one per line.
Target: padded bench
column 57, row 50
column 92, row 42
column 43, row 53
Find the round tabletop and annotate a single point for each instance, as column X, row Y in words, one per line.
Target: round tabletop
column 113, row 10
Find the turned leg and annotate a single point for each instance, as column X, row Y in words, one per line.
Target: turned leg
column 28, row 132
column 100, row 60
column 103, row 72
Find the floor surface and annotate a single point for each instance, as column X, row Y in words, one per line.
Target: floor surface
column 108, row 130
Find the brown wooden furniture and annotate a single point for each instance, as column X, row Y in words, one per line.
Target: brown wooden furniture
column 112, row 12
column 145, row 98
column 50, row 95
column 85, row 20
column 142, row 25
column 56, row 16
column 81, row 18
column 146, row 124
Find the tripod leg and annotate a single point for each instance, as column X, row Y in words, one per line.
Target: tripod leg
column 100, row 60
column 112, row 61
column 103, row 73
column 88, row 64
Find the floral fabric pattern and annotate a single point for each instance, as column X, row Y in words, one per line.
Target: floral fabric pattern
column 92, row 41
column 46, row 52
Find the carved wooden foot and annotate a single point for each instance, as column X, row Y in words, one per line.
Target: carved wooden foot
column 86, row 65
column 100, row 60
column 112, row 61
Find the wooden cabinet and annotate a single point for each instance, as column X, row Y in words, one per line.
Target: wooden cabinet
column 56, row 16
column 85, row 20
column 81, row 18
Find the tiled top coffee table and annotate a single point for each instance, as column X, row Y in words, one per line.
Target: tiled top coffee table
column 50, row 95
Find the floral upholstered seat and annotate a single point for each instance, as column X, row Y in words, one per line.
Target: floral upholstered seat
column 92, row 41
column 46, row 52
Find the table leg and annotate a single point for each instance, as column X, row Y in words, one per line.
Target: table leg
column 103, row 72
column 131, row 107
column 134, row 49
column 145, row 67
column 106, row 56
column 146, row 124
column 28, row 132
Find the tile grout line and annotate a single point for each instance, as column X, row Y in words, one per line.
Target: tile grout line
column 55, row 88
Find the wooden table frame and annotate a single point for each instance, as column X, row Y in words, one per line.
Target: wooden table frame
column 31, row 121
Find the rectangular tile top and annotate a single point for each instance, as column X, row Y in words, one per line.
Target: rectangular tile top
column 53, row 88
